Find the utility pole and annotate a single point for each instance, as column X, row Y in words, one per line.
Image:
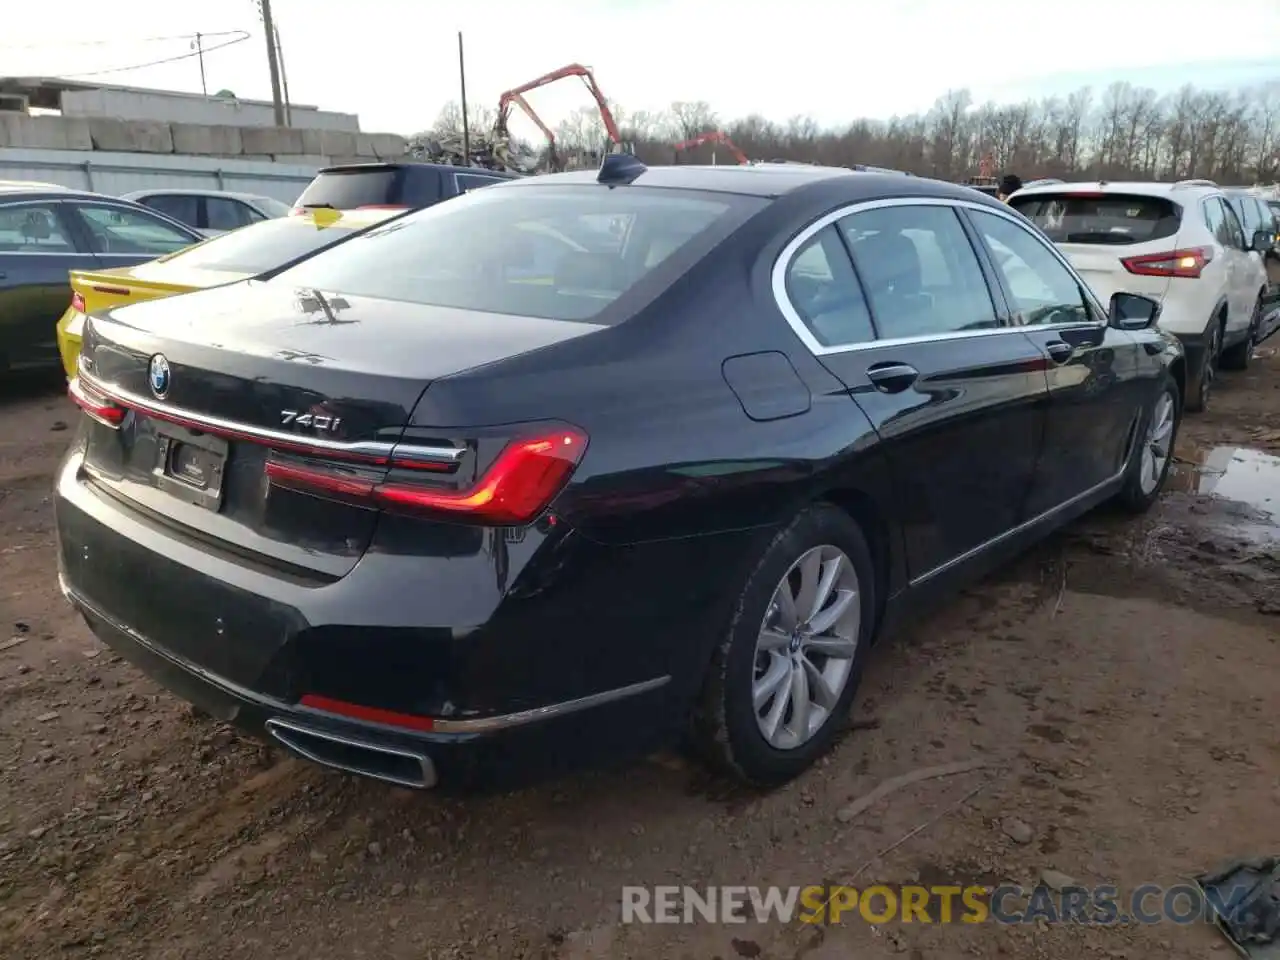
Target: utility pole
column 264, row 7
column 466, row 123
column 284, row 81
column 199, row 48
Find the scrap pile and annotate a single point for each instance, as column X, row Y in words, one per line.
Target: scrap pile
column 487, row 152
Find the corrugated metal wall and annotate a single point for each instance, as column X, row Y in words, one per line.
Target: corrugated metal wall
column 118, row 173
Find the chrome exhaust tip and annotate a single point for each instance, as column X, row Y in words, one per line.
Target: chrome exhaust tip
column 404, row 768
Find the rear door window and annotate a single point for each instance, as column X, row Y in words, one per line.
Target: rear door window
column 184, row 208
column 824, row 292
column 226, row 214
column 1234, row 228
column 33, row 228
column 1102, row 218
column 530, row 251
column 1215, row 218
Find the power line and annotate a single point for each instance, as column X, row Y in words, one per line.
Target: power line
column 243, row 35
column 102, row 43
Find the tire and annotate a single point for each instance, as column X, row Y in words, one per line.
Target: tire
column 727, row 730
column 1237, row 357
column 1198, row 396
column 1146, row 462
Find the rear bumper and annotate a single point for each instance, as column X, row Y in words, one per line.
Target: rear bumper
column 490, row 751
column 508, row 685
column 70, row 328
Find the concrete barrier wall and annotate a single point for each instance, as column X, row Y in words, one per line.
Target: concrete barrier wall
column 190, row 139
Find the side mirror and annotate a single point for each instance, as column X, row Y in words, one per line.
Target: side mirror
column 1262, row 241
column 1132, row 311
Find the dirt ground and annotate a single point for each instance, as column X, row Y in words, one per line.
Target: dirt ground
column 1120, row 683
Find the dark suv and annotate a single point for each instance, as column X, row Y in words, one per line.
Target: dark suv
column 400, row 185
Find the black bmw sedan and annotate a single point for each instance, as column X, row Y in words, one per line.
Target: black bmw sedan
column 567, row 468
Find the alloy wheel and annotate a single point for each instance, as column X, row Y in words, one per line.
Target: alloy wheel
column 1156, row 448
column 805, row 649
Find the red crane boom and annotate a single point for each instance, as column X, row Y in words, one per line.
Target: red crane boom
column 515, row 97
column 713, row 136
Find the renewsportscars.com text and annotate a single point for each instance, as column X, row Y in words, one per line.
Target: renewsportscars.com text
column 1009, row 904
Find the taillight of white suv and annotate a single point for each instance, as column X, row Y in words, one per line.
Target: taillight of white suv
column 1188, row 263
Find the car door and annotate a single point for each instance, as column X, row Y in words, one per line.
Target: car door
column 1094, row 393
column 37, row 249
column 958, row 399
column 1244, row 267
column 121, row 236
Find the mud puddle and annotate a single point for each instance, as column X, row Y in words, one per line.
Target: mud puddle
column 1241, row 488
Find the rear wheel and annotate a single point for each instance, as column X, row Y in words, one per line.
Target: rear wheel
column 1202, row 382
column 779, row 687
column 1237, row 357
column 1153, row 454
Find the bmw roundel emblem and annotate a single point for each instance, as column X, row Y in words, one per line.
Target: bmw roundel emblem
column 158, row 374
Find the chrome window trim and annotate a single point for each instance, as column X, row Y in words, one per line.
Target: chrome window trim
column 784, row 259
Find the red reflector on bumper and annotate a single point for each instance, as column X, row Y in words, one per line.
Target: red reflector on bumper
column 356, row 711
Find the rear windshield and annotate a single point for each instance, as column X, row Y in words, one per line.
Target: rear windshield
column 262, row 246
column 1112, row 218
column 347, row 190
column 564, row 253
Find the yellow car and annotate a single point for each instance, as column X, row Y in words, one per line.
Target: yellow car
column 227, row 258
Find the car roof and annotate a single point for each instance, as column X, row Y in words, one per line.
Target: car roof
column 188, row 192
column 8, row 186
column 766, row 180
column 413, row 165
column 19, row 189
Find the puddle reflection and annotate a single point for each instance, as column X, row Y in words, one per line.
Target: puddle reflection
column 1239, row 475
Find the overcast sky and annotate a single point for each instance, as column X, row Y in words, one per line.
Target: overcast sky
column 394, row 62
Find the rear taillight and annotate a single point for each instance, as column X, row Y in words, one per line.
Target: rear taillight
column 520, row 483
column 1188, row 263
column 95, row 405
column 77, row 303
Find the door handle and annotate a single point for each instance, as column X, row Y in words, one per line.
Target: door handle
column 1059, row 350
column 892, row 377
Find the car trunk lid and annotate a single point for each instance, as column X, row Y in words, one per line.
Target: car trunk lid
column 219, row 385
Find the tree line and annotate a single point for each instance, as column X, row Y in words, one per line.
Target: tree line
column 1120, row 132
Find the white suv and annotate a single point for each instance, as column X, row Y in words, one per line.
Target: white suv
column 1178, row 243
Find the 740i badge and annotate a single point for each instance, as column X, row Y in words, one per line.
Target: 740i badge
column 324, row 424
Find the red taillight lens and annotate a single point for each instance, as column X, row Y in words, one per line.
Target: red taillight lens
column 95, row 406
column 517, row 487
column 1188, row 263
column 77, row 303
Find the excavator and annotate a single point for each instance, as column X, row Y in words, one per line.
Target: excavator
column 712, row 136
column 515, row 97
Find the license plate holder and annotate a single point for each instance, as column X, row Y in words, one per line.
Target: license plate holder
column 190, row 466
